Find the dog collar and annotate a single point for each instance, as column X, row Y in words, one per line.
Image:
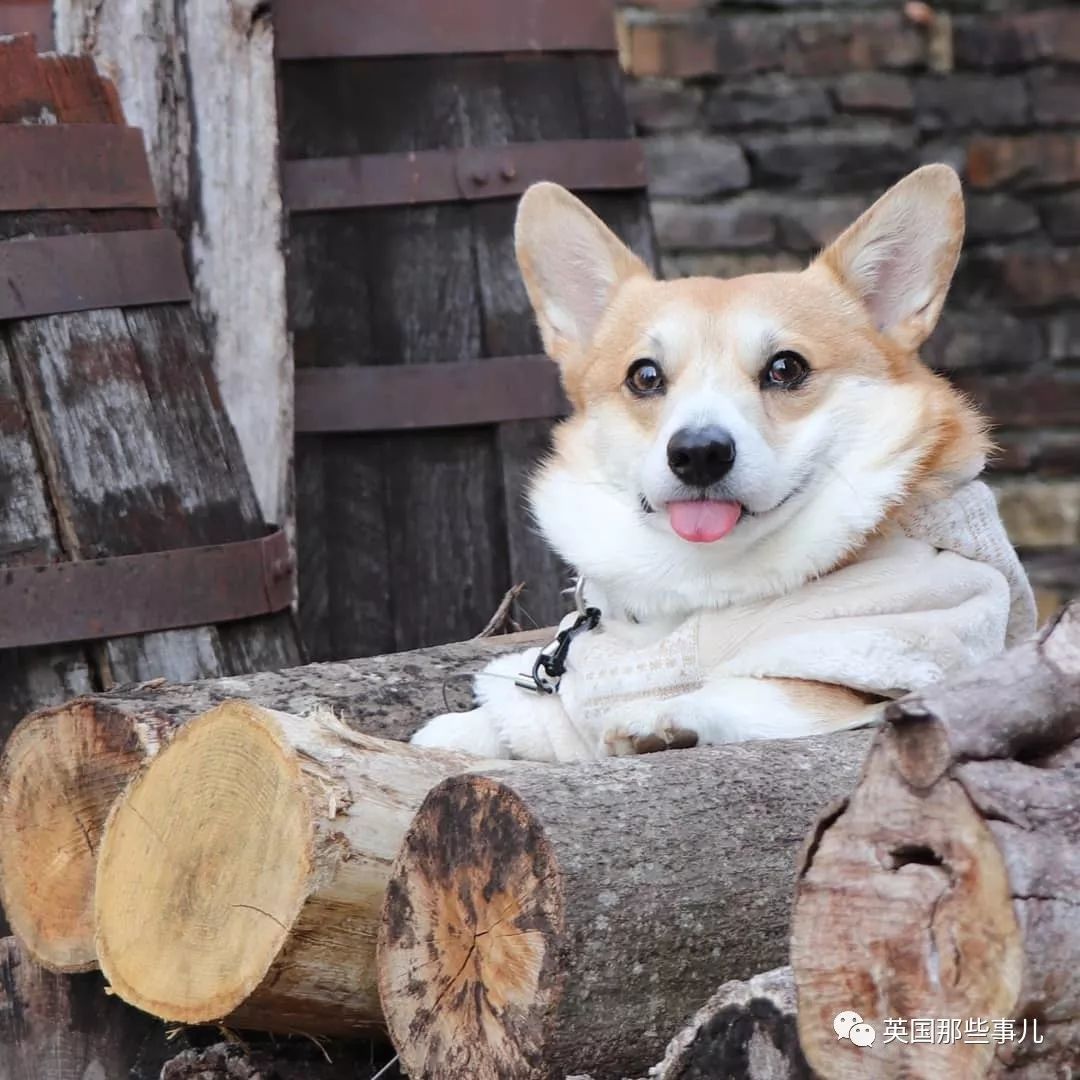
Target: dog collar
column 550, row 665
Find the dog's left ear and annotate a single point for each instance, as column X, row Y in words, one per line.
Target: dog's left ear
column 573, row 265
column 900, row 256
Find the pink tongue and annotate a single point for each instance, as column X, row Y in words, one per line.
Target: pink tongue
column 703, row 522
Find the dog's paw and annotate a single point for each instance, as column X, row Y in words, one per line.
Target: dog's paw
column 645, row 728
column 473, row 732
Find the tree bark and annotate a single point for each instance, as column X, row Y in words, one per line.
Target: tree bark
column 241, row 875
column 63, row 768
column 552, row 920
column 746, row 1030
column 295, row 1061
column 947, row 886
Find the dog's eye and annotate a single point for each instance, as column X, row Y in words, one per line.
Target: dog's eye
column 784, row 371
column 645, row 377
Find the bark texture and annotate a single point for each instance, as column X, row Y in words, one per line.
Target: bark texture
column 64, row 768
column 298, row 1060
column 746, row 1030
column 947, row 886
column 552, row 920
column 241, row 875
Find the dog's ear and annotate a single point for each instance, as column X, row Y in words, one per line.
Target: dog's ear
column 572, row 264
column 899, row 257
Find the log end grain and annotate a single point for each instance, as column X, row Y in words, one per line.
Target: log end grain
column 60, row 773
column 472, row 915
column 903, row 910
column 204, row 867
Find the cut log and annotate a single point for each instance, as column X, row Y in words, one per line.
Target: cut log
column 241, row 875
column 55, row 1027
column 746, row 1030
column 558, row 919
column 63, row 768
column 939, row 902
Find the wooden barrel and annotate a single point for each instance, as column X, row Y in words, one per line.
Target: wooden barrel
column 408, row 130
column 131, row 544
column 28, row 17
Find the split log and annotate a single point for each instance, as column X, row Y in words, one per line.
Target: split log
column 63, row 768
column 241, row 875
column 746, row 1030
column 557, row 919
column 946, row 888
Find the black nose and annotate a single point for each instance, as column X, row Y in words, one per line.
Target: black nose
column 701, row 456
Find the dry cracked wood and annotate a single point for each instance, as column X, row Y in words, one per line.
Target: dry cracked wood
column 242, row 873
column 948, row 885
column 63, row 768
column 550, row 920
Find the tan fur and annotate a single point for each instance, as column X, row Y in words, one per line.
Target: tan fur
column 821, row 312
column 827, row 705
column 813, row 470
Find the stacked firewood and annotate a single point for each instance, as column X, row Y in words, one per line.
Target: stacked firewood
column 262, row 863
column 268, row 854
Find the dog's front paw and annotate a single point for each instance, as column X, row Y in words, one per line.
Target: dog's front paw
column 473, row 731
column 645, row 728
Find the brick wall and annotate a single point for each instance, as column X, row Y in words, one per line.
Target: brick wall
column 770, row 125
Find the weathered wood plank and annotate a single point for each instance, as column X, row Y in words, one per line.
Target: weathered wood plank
column 57, row 1027
column 27, row 536
column 427, row 270
column 171, row 480
column 203, row 71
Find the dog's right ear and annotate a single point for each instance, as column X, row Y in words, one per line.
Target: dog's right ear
column 573, row 265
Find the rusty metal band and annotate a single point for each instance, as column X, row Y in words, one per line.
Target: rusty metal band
column 29, row 17
column 56, row 274
column 73, row 167
column 470, row 174
column 140, row 594
column 415, row 396
column 316, row 29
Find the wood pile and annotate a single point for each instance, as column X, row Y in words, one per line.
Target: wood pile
column 275, row 866
column 947, row 885
column 291, row 873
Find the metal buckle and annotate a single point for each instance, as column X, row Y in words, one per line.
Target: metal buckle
column 550, row 665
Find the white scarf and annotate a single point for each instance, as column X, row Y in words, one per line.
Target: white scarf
column 935, row 593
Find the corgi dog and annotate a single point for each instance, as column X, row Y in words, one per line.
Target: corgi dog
column 743, row 456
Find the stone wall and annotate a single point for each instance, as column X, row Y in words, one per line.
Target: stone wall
column 770, row 125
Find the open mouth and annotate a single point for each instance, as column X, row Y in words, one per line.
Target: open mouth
column 704, row 521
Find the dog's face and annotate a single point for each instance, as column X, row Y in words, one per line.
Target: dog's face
column 731, row 439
